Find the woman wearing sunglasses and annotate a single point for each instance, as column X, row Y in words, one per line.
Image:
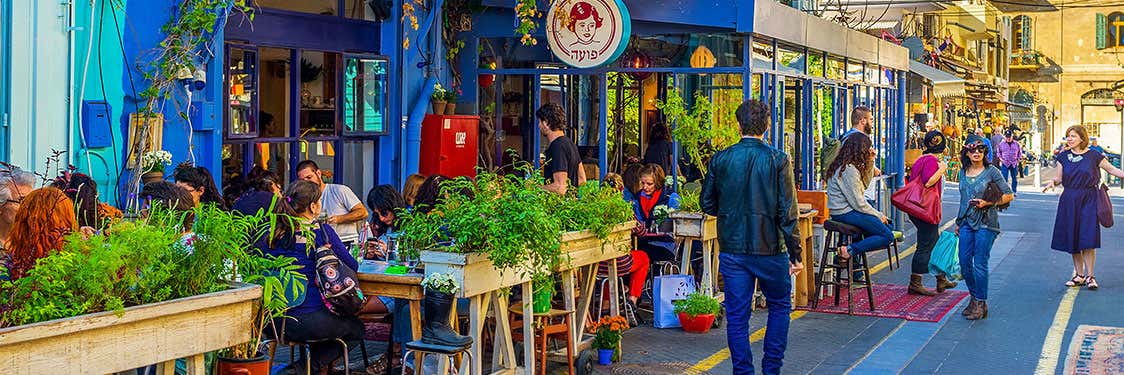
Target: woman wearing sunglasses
column 978, row 219
column 1076, row 229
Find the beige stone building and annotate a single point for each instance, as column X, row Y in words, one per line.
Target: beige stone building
column 1070, row 63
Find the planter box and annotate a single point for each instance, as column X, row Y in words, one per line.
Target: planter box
column 584, row 248
column 474, row 271
column 695, row 225
column 477, row 275
column 104, row 343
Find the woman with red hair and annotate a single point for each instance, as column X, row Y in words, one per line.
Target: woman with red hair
column 584, row 22
column 45, row 216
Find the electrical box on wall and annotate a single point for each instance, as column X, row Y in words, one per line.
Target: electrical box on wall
column 95, row 124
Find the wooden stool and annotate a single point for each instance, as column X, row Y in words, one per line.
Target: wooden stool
column 839, row 234
column 547, row 326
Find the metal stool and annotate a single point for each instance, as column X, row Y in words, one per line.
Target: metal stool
column 449, row 352
column 279, row 338
column 840, row 234
column 602, row 289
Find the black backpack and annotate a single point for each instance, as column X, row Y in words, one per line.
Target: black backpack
column 339, row 284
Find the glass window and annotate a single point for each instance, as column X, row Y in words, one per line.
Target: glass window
column 887, row 76
column 323, row 153
column 854, row 71
column 836, row 68
column 691, row 50
column 360, row 180
column 275, row 78
column 318, row 94
column 242, row 89
column 762, row 54
column 792, row 59
column 232, row 167
column 322, row 7
column 815, row 64
column 365, row 95
column 360, row 9
column 273, row 157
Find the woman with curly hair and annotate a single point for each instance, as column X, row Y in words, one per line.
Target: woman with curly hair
column 45, row 216
column 845, row 201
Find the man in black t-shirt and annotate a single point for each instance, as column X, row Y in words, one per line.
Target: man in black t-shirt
column 563, row 162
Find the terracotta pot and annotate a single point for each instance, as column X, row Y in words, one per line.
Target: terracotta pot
column 254, row 366
column 438, row 108
column 451, row 109
column 696, row 324
column 153, row 176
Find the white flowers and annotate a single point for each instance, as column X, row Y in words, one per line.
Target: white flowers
column 441, row 282
column 155, row 160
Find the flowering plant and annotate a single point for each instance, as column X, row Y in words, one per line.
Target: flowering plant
column 439, row 93
column 452, row 95
column 608, row 332
column 155, row 161
column 440, row 282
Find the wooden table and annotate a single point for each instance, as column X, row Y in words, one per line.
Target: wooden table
column 805, row 281
column 407, row 287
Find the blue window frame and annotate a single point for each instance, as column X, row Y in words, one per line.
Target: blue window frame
column 5, row 68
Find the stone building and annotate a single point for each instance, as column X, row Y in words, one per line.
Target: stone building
column 1070, row 62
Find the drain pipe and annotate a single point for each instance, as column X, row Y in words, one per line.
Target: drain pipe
column 413, row 126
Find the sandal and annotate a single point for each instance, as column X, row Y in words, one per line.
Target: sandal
column 1091, row 282
column 1077, row 280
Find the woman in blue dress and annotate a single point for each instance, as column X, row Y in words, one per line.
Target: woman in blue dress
column 1076, row 229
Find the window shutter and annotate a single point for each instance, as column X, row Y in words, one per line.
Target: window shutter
column 1102, row 27
column 1025, row 36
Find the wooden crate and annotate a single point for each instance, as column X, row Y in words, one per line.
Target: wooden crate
column 695, row 225
column 583, row 248
column 104, row 343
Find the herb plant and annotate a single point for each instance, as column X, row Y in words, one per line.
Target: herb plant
column 697, row 303
column 593, row 207
column 689, row 201
column 701, row 128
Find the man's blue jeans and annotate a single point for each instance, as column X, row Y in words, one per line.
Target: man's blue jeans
column 975, row 250
column 1011, row 174
column 740, row 272
column 876, row 234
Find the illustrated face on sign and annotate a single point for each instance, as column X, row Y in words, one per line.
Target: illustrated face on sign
column 584, row 22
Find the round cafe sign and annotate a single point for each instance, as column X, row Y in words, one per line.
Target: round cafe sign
column 588, row 33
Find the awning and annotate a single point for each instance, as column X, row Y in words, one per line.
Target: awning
column 944, row 84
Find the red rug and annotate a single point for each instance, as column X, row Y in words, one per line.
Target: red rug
column 892, row 301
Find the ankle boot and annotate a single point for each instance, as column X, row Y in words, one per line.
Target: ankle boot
column 979, row 312
column 436, row 329
column 944, row 284
column 915, row 286
column 970, row 308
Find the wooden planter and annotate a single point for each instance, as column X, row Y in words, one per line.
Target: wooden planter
column 584, row 248
column 695, row 225
column 104, row 343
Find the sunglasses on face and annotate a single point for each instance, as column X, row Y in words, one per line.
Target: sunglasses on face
column 976, row 147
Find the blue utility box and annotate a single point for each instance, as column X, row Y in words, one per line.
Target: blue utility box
column 96, row 124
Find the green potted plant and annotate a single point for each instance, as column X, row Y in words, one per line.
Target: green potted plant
column 451, row 101
column 543, row 293
column 437, row 99
column 153, row 164
column 697, row 312
column 440, row 289
column 607, row 338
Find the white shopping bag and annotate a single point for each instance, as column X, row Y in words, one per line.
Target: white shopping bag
column 666, row 290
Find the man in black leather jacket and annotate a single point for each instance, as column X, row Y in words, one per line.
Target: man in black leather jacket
column 750, row 188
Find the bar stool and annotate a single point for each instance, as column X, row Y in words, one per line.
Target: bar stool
column 840, row 234
column 448, row 352
column 546, row 325
column 602, row 293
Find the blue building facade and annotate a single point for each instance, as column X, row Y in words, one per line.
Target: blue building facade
column 346, row 83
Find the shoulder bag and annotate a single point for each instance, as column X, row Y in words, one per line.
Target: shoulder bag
column 1104, row 207
column 918, row 201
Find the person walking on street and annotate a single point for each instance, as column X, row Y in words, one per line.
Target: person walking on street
column 750, row 188
column 1010, row 153
column 982, row 191
column 929, row 169
column 1076, row 229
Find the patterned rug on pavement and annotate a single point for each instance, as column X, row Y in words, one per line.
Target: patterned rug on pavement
column 892, row 301
column 1095, row 350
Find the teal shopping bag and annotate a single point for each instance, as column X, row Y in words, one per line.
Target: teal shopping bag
column 945, row 259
